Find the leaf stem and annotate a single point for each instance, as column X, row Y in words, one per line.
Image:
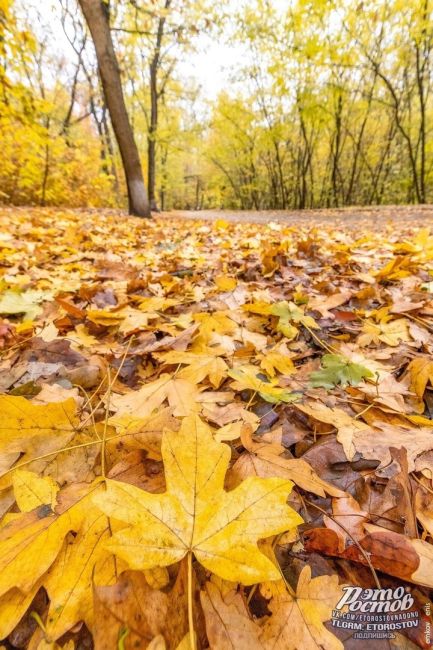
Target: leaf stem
column 104, row 434
column 318, row 340
column 190, row 611
column 110, row 383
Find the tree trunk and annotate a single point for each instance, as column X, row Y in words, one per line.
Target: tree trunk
column 96, row 15
column 151, row 139
column 155, row 94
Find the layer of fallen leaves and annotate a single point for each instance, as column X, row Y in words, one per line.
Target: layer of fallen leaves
column 241, row 412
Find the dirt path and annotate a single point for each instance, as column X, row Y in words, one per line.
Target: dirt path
column 418, row 215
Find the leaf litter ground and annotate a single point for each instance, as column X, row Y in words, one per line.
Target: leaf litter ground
column 208, row 428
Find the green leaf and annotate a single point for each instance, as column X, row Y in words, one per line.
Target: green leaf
column 338, row 370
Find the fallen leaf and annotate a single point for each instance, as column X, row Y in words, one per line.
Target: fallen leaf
column 338, row 370
column 249, row 377
column 265, row 460
column 196, row 515
column 131, row 604
column 346, row 425
column 297, row 617
column 391, row 333
column 27, row 303
column 228, row 622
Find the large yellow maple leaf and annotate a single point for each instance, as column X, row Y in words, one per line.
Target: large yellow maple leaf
column 196, row 515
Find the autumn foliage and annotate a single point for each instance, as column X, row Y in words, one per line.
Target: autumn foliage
column 208, row 428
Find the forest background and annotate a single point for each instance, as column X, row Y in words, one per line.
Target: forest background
column 315, row 104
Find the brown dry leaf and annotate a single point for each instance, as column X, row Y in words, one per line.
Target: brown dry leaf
column 348, row 427
column 402, row 489
column 375, row 444
column 423, row 573
column 424, row 509
column 265, row 460
column 347, row 518
column 323, row 304
column 388, row 393
column 132, row 605
column 400, row 556
column 228, row 622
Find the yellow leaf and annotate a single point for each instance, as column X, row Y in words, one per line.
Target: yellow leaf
column 33, row 429
column 143, row 433
column 249, row 377
column 225, row 283
column 32, row 491
column 275, row 360
column 180, row 393
column 104, row 317
column 157, row 303
column 182, row 396
column 199, row 366
column 35, row 551
column 221, row 224
column 297, row 618
column 134, row 319
column 421, row 373
column 390, row 333
column 141, row 403
column 23, row 420
column 196, row 514
column 13, row 604
column 81, row 337
column 287, row 313
column 218, row 322
column 31, row 542
column 82, row 562
column 27, row 303
column 231, row 431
